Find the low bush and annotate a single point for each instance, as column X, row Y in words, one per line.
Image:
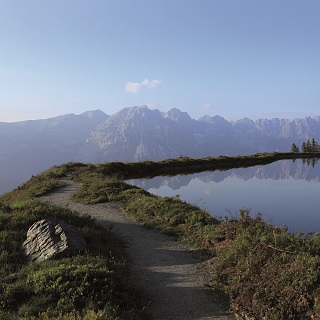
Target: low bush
column 83, row 282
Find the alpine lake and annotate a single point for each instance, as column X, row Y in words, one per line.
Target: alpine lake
column 284, row 193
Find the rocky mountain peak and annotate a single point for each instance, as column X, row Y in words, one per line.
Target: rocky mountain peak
column 94, row 114
column 213, row 120
column 244, row 124
column 177, row 115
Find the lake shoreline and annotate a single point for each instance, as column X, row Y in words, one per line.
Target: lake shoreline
column 184, row 165
column 262, row 188
column 266, row 271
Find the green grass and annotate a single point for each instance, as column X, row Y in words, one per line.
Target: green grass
column 266, row 271
column 93, row 285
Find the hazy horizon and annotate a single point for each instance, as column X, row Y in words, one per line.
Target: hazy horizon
column 279, row 115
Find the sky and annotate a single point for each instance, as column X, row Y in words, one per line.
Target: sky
column 236, row 59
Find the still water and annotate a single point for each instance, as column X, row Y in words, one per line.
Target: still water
column 286, row 193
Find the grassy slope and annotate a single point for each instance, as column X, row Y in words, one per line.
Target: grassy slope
column 93, row 285
column 266, row 271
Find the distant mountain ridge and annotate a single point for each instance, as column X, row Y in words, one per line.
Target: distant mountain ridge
column 138, row 133
column 30, row 147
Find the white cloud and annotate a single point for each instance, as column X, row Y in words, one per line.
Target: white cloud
column 135, row 87
column 152, row 84
column 132, row 87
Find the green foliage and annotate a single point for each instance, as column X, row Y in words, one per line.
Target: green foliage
column 74, row 286
column 91, row 286
column 294, row 148
column 98, row 188
column 35, row 187
column 310, row 146
column 266, row 271
column 54, row 289
column 169, row 214
column 277, row 270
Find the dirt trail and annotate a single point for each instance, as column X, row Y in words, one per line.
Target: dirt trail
column 161, row 267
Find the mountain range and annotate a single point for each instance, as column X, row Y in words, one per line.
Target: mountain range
column 138, row 133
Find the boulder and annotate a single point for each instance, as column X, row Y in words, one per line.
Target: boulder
column 50, row 238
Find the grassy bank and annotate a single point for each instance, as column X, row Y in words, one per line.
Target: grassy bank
column 94, row 285
column 266, row 271
column 185, row 165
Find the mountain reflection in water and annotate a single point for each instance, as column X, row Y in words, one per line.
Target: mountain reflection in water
column 284, row 192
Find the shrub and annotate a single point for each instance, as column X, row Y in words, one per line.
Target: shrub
column 267, row 272
column 74, row 286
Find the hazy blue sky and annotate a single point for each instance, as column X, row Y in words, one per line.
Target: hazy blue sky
column 254, row 58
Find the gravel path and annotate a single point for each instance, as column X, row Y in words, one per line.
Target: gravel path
column 164, row 269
